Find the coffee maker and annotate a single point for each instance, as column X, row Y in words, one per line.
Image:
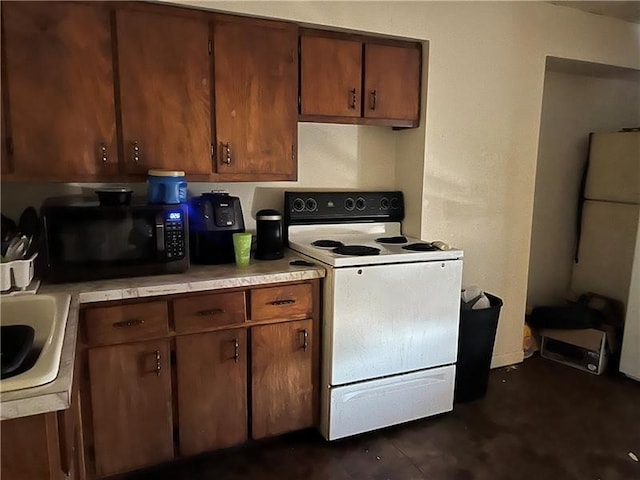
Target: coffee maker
column 213, row 219
column 269, row 244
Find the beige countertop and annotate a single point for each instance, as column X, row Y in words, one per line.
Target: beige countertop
column 56, row 395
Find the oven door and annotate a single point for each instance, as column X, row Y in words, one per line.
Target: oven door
column 383, row 320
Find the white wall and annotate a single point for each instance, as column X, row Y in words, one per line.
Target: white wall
column 577, row 99
column 469, row 169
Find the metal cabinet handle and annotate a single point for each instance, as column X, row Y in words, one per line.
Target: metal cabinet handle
column 136, row 153
column 227, row 156
column 373, row 99
column 129, row 323
column 236, row 350
column 208, row 313
column 352, row 104
column 305, row 338
column 103, row 154
column 282, row 302
column 158, row 363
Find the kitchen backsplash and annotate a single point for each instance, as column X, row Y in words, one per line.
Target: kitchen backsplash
column 329, row 156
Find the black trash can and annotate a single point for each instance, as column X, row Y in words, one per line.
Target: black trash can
column 475, row 346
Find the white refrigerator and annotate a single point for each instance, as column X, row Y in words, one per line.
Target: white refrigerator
column 609, row 248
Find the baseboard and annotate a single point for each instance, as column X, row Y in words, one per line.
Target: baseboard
column 504, row 359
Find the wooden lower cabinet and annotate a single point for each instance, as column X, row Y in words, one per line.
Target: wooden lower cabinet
column 131, row 405
column 282, row 383
column 47, row 446
column 187, row 374
column 29, row 448
column 212, row 390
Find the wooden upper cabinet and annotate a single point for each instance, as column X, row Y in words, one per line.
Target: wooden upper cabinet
column 164, row 71
column 330, row 76
column 391, row 82
column 256, row 78
column 356, row 79
column 59, row 82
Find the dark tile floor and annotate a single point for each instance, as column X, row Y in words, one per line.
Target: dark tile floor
column 539, row 421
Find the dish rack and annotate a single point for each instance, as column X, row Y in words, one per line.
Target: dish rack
column 17, row 274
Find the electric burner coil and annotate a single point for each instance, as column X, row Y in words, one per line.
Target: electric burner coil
column 356, row 250
column 392, row 240
column 327, row 243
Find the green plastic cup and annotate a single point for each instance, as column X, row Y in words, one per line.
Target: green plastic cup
column 242, row 248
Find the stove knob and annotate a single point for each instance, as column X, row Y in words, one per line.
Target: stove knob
column 311, row 204
column 361, row 203
column 384, row 203
column 395, row 203
column 349, row 204
column 298, row 205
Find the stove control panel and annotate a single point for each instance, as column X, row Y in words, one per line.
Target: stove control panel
column 336, row 207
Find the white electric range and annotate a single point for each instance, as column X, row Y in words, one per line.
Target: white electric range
column 390, row 310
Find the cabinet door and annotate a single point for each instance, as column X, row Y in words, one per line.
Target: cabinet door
column 131, row 405
column 281, row 378
column 29, row 448
column 330, row 76
column 164, row 92
column 61, row 114
column 256, row 65
column 391, row 82
column 212, row 390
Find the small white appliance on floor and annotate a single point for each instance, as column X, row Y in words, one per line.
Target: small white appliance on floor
column 584, row 349
column 391, row 310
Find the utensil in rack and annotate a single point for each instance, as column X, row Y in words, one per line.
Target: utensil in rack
column 17, row 248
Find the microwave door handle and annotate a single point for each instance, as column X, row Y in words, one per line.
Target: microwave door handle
column 160, row 234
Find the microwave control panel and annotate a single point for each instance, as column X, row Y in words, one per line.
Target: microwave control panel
column 174, row 235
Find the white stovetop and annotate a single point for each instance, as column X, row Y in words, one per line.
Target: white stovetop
column 302, row 236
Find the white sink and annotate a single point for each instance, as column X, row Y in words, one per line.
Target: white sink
column 47, row 314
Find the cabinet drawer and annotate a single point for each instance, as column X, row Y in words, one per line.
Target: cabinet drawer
column 205, row 312
column 289, row 301
column 126, row 323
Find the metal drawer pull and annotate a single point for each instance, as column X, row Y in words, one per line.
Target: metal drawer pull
column 236, row 350
column 158, row 363
column 128, row 323
column 207, row 313
column 352, row 105
column 373, row 100
column 305, row 337
column 282, row 302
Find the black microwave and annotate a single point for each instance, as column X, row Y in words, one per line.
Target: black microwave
column 83, row 240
